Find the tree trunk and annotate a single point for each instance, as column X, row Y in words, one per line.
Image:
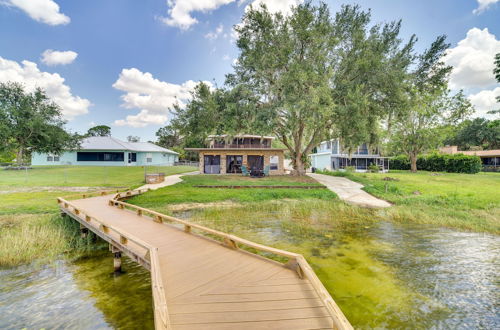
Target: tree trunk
column 413, row 161
column 19, row 157
column 298, row 166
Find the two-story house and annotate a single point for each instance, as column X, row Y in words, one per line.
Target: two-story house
column 331, row 155
column 226, row 155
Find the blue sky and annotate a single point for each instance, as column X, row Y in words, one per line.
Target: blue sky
column 123, row 62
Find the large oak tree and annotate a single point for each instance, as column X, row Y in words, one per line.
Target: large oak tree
column 313, row 76
column 31, row 122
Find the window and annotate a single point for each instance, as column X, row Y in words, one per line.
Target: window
column 52, row 158
column 233, row 164
column 149, row 157
column 329, row 145
column 273, row 162
column 100, row 156
column 335, row 149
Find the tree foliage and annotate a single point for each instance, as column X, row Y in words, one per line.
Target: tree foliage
column 132, row 138
column 31, row 122
column 428, row 105
column 496, row 70
column 312, row 76
column 100, row 130
column 479, row 132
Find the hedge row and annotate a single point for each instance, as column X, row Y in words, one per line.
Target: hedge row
column 457, row 163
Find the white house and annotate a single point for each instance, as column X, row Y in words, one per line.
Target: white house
column 330, row 155
column 109, row 151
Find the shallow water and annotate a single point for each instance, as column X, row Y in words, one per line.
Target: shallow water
column 80, row 294
column 383, row 275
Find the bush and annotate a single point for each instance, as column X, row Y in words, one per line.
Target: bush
column 457, row 163
column 373, row 168
column 400, row 162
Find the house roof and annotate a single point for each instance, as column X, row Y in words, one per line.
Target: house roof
column 235, row 149
column 481, row 153
column 111, row 143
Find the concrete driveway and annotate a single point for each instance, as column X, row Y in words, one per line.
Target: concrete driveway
column 349, row 191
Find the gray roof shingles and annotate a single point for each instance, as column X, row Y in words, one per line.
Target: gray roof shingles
column 111, row 143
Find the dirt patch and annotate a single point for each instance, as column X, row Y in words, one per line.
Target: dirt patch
column 10, row 190
column 190, row 206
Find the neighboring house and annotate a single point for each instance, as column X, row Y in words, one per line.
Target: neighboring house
column 226, row 155
column 109, row 151
column 489, row 158
column 330, row 155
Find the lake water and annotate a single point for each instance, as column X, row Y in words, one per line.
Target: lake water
column 384, row 275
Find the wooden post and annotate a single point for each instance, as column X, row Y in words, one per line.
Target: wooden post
column 117, row 259
column 84, row 231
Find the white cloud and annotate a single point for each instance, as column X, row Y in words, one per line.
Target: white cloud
column 215, row 34
column 275, row 6
column 483, row 5
column 31, row 77
column 152, row 96
column 55, row 57
column 485, row 101
column 45, row 11
column 472, row 60
column 180, row 11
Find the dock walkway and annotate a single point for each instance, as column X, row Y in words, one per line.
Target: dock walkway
column 209, row 283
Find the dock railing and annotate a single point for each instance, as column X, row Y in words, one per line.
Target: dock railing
column 162, row 321
column 296, row 261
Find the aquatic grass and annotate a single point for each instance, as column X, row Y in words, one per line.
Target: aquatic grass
column 30, row 226
column 334, row 238
column 42, row 237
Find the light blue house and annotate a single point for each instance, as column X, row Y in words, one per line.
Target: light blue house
column 108, row 151
column 330, row 155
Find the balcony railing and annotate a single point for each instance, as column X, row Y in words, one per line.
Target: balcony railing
column 241, row 146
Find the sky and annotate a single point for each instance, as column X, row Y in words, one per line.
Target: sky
column 124, row 63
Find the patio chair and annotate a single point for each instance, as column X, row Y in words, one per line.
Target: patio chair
column 244, row 170
column 266, row 170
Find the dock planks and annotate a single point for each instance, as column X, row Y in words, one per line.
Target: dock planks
column 206, row 284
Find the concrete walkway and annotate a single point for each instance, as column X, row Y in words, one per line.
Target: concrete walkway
column 169, row 181
column 349, row 191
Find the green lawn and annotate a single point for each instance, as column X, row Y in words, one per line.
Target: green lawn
column 185, row 192
column 464, row 201
column 30, row 225
column 238, row 180
column 83, row 176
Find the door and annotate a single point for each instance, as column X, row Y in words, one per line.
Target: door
column 211, row 164
column 132, row 158
column 255, row 163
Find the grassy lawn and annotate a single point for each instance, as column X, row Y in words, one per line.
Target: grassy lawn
column 83, row 176
column 185, row 192
column 30, row 225
column 463, row 201
column 238, row 180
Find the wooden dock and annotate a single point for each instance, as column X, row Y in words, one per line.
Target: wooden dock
column 201, row 282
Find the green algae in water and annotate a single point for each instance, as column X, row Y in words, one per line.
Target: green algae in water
column 382, row 275
column 76, row 294
column 126, row 299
